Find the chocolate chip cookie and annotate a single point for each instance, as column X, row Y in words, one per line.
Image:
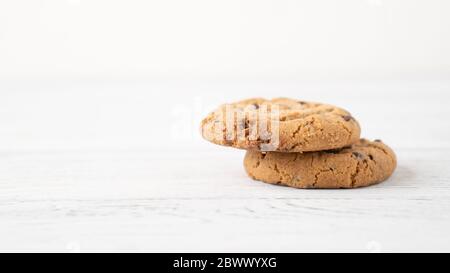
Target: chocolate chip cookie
column 362, row 164
column 283, row 125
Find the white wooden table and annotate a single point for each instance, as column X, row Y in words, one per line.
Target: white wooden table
column 118, row 166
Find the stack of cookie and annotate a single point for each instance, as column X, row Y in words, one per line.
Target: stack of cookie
column 300, row 144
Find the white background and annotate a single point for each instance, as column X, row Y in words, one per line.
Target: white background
column 100, row 104
column 222, row 39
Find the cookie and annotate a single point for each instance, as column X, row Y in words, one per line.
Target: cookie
column 283, row 125
column 362, row 164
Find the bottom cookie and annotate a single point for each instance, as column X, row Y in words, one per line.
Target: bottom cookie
column 363, row 164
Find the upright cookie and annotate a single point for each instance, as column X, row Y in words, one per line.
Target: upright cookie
column 282, row 125
column 364, row 163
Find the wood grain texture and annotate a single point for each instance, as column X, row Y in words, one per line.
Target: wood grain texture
column 96, row 191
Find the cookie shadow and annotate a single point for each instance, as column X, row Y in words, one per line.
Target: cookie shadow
column 401, row 176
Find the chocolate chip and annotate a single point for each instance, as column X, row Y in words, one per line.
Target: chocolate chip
column 377, row 140
column 371, row 157
column 301, row 102
column 358, row 155
column 256, row 105
column 347, row 118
